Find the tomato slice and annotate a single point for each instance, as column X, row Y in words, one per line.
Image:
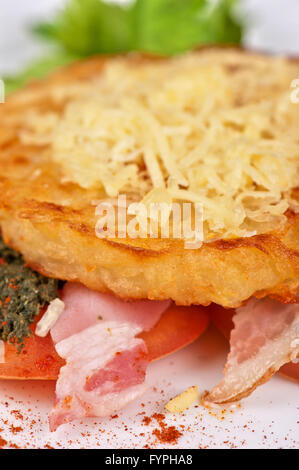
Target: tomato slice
column 223, row 320
column 290, row 370
column 37, row 360
column 177, row 327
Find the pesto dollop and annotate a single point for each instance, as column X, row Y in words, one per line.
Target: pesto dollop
column 23, row 293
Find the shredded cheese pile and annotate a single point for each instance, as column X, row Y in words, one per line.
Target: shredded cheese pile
column 216, row 127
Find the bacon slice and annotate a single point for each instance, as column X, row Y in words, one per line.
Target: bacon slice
column 84, row 307
column 105, row 362
column 223, row 320
column 265, row 336
column 105, row 369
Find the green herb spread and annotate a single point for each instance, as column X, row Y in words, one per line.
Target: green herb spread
column 23, row 292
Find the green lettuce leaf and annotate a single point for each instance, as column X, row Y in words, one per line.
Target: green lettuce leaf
column 87, row 27
column 174, row 26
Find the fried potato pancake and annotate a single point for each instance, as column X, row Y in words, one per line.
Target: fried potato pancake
column 51, row 219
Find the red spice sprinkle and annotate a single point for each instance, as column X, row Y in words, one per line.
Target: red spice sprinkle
column 3, row 442
column 146, row 420
column 167, row 434
column 15, row 429
column 12, row 445
column 12, row 285
column 17, row 414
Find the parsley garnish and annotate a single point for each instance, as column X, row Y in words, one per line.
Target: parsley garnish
column 23, row 292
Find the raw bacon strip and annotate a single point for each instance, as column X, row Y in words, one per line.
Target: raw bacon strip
column 223, row 320
column 105, row 369
column 105, row 364
column 84, row 307
column 125, row 370
column 265, row 336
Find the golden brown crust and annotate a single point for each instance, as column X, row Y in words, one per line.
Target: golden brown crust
column 52, row 223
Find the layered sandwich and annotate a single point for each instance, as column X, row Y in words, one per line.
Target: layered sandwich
column 89, row 306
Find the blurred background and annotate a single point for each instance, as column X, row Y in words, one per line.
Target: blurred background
column 67, row 29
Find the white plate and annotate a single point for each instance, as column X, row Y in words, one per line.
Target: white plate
column 267, row 419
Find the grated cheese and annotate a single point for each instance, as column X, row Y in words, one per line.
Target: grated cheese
column 216, row 127
column 49, row 318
